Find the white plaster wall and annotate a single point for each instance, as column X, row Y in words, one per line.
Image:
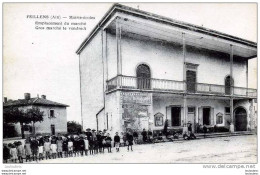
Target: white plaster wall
column 113, row 111
column 91, row 81
column 44, row 127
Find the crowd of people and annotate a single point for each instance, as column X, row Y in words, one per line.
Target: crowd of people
column 37, row 148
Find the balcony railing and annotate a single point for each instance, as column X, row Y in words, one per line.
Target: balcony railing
column 161, row 85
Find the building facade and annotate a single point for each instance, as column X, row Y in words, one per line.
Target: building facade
column 54, row 119
column 138, row 70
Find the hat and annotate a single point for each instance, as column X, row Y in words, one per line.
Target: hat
column 93, row 130
column 88, row 129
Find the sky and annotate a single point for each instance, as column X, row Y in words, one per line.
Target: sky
column 45, row 62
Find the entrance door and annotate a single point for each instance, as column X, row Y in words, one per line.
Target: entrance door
column 206, row 116
column 53, row 129
column 191, row 117
column 240, row 119
column 176, row 116
column 191, row 81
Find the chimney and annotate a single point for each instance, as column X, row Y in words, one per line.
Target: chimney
column 27, row 96
column 44, row 96
column 5, row 99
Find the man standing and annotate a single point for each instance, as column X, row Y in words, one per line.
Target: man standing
column 117, row 141
column 144, row 134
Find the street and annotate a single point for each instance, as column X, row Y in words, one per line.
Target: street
column 238, row 149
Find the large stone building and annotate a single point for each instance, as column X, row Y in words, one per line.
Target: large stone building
column 138, row 69
column 54, row 119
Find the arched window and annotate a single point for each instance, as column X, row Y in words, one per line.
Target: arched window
column 143, row 74
column 228, row 85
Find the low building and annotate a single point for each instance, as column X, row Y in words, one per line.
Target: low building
column 54, row 119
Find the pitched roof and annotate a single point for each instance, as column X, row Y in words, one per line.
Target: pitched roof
column 151, row 16
column 33, row 101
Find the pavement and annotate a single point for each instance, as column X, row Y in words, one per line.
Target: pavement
column 236, row 149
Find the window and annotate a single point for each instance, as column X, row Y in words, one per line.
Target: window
column 191, row 110
column 227, row 110
column 219, row 118
column 229, row 82
column 143, row 74
column 158, row 119
column 52, row 113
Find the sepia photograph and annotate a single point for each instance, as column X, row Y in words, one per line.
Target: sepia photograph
column 130, row 83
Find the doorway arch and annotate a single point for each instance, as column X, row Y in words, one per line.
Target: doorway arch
column 240, row 119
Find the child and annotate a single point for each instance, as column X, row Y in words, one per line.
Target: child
column 65, row 146
column 130, row 139
column 34, row 148
column 28, row 151
column 59, row 147
column 81, row 146
column 76, row 146
column 53, row 147
column 40, row 150
column 6, row 153
column 13, row 153
column 47, row 148
column 91, row 146
column 86, row 145
column 108, row 143
column 117, row 141
column 70, row 147
column 20, row 152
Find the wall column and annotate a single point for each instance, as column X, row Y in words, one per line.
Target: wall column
column 231, row 91
column 185, row 128
column 118, row 47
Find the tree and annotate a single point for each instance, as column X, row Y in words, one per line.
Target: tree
column 16, row 115
column 34, row 115
column 73, row 127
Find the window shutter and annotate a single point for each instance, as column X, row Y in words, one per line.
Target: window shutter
column 169, row 115
column 212, row 117
column 200, row 116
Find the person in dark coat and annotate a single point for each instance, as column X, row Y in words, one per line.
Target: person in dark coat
column 130, row 140
column 144, row 134
column 6, row 153
column 135, row 135
column 150, row 136
column 81, row 146
column 108, row 140
column 34, row 148
column 99, row 141
column 117, row 141
column 91, row 145
column 88, row 134
column 76, row 146
column 205, row 129
column 65, row 146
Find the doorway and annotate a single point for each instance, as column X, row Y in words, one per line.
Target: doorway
column 191, row 117
column 176, row 116
column 53, row 129
column 206, row 116
column 240, row 119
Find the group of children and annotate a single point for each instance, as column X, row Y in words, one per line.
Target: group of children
column 52, row 147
